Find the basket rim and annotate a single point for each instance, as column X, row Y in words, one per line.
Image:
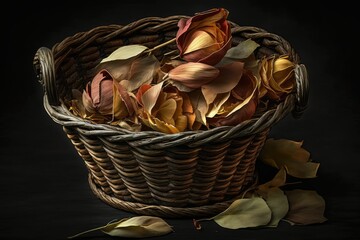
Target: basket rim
column 160, row 140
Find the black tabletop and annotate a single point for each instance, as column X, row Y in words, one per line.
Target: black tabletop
column 44, row 191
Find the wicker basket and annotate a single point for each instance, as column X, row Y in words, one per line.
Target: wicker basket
column 193, row 173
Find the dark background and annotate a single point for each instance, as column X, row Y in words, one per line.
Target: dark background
column 44, row 192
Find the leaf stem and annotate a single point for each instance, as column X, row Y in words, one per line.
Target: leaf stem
column 161, row 45
column 87, row 231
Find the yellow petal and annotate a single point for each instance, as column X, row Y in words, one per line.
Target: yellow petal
column 159, row 125
column 198, row 40
column 119, row 108
column 181, row 123
column 149, row 98
column 166, row 110
column 200, row 106
column 217, row 104
column 282, row 64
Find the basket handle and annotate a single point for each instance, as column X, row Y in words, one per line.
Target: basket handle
column 44, row 68
column 302, row 90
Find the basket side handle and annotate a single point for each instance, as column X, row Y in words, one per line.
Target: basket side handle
column 44, row 68
column 302, row 90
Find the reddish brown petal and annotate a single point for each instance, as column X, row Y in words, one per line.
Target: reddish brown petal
column 194, row 75
column 141, row 91
column 125, row 97
column 245, row 87
column 205, row 21
column 216, row 57
column 86, row 99
column 237, row 117
column 228, row 78
column 96, row 85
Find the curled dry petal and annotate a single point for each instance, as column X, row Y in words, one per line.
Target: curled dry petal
column 142, row 71
column 200, row 106
column 193, row 75
column 229, row 76
column 98, row 95
column 106, row 100
column 239, row 106
column 244, row 113
column 205, row 37
column 141, row 92
column 123, row 104
column 166, row 109
column 277, row 77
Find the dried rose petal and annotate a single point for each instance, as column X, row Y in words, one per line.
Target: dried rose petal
column 205, row 37
column 277, row 77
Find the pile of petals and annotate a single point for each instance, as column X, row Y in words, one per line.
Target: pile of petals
column 208, row 83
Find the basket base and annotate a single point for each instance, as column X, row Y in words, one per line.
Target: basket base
column 164, row 211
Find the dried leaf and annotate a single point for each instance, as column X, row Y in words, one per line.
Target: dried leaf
column 305, row 207
column 123, row 104
column 228, row 78
column 180, row 86
column 120, row 109
column 134, row 227
column 150, row 97
column 242, row 50
column 119, row 69
column 138, row 227
column 278, row 203
column 245, row 213
column 141, row 91
column 200, row 106
column 278, row 181
column 142, row 71
column 244, row 113
column 125, row 52
column 290, row 155
column 246, row 101
column 193, row 74
column 217, row 104
column 246, row 86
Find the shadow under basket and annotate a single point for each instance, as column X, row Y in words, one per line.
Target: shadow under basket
column 188, row 174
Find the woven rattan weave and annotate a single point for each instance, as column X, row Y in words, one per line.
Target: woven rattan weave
column 192, row 173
